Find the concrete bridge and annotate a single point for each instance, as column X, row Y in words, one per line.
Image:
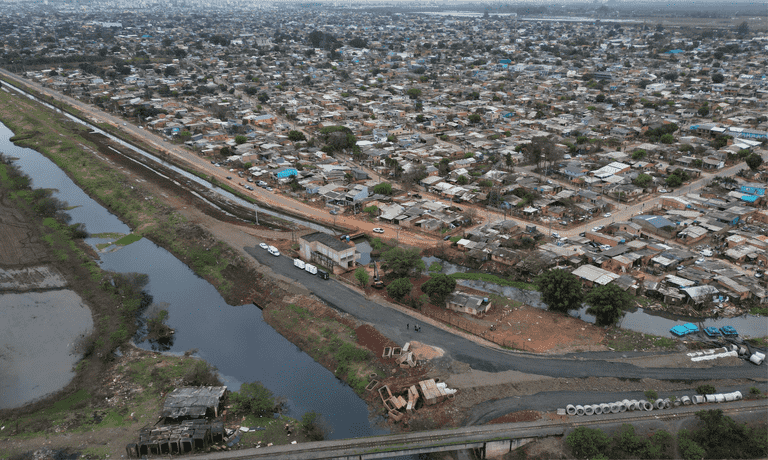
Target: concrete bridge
column 489, row 441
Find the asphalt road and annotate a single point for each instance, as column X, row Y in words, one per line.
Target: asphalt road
column 392, row 323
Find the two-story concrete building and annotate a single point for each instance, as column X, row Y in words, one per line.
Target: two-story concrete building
column 328, row 251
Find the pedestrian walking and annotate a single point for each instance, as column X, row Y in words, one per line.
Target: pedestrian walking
column 407, row 325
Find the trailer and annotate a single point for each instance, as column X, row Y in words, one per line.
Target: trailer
column 298, row 263
column 311, row 269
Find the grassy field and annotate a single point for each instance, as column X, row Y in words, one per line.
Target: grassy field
column 488, row 278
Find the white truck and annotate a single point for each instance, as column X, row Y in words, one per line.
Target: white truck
column 299, row 264
column 311, row 269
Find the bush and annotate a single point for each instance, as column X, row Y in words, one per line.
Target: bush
column 202, row 374
column 399, row 288
column 312, row 427
column 705, row 390
column 253, row 398
column 651, row 395
column 587, row 442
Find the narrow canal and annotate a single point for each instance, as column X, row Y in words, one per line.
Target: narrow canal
column 235, row 339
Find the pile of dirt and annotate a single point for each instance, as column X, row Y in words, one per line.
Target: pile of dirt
column 425, row 352
column 515, row 417
column 370, row 338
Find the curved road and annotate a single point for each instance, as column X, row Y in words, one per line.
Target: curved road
column 391, row 322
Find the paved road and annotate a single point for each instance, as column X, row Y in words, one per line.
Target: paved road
column 391, row 322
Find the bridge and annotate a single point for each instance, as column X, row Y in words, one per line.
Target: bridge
column 489, row 440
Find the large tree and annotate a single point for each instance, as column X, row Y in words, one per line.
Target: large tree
column 399, row 288
column 402, row 262
column 607, row 302
column 438, row 288
column 754, row 161
column 560, row 290
column 253, row 398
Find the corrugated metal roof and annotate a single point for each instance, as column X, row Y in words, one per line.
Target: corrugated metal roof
column 192, row 401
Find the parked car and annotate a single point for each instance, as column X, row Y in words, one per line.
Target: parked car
column 378, row 230
column 273, row 250
column 662, row 190
column 334, row 212
column 607, row 214
column 263, row 246
column 269, row 189
column 555, row 235
column 598, row 228
column 229, row 177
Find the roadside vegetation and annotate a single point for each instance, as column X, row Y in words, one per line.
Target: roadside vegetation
column 715, row 436
column 65, row 143
column 329, row 341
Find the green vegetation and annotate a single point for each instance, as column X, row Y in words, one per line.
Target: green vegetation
column 560, row 290
column 384, row 188
column 254, row 399
column 761, row 311
column 488, row 278
column 361, row 276
column 706, row 390
column 719, row 436
column 651, row 395
column 399, row 288
column 625, row 340
column 438, row 288
column 435, row 267
column 607, row 303
column 625, row 443
column 127, row 239
column 402, row 262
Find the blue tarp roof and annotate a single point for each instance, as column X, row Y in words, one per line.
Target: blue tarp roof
column 749, row 198
column 691, row 327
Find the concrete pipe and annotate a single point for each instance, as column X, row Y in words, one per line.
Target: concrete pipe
column 628, row 404
column 658, row 404
column 622, row 406
column 667, row 403
column 729, row 397
column 615, row 408
column 755, row 359
column 737, row 395
column 699, row 399
column 647, row 406
column 579, row 410
column 710, row 398
column 588, row 410
column 742, row 350
column 597, row 409
column 570, row 409
column 605, row 408
column 759, row 355
column 686, row 400
column 635, row 404
column 734, row 347
column 719, row 397
column 677, row 403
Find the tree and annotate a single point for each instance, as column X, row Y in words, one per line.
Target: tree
column 606, row 302
column 560, row 290
column 438, row 288
column 224, row 151
column 638, row 154
column 399, row 288
column 587, row 442
column 743, row 29
column 361, row 276
column 474, row 118
column 704, row 110
column 754, row 161
column 358, row 42
column 413, row 93
column 401, row 262
column 296, row 136
column 312, row 426
column 643, row 180
column 253, row 398
column 689, row 449
column 667, row 139
column 462, row 180
column 384, row 188
column 263, row 98
column 717, row 78
column 240, row 139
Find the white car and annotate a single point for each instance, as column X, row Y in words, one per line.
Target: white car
column 273, row 250
column 555, row 235
column 607, row 214
column 597, row 229
column 662, row 190
column 378, row 230
column 263, row 246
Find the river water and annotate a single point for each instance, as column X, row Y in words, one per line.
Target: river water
column 640, row 320
column 235, row 339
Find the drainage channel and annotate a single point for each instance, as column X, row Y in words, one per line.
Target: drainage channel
column 223, row 193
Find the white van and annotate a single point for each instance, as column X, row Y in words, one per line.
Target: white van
column 311, row 269
column 299, row 263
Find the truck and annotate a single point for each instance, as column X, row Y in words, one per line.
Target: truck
column 298, row 263
column 311, row 269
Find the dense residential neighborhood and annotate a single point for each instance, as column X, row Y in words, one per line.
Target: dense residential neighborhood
column 551, row 125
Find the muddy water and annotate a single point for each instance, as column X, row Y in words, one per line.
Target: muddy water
column 235, row 339
column 640, row 320
column 38, row 331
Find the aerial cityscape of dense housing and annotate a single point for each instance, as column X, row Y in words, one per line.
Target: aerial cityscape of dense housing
column 619, row 152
